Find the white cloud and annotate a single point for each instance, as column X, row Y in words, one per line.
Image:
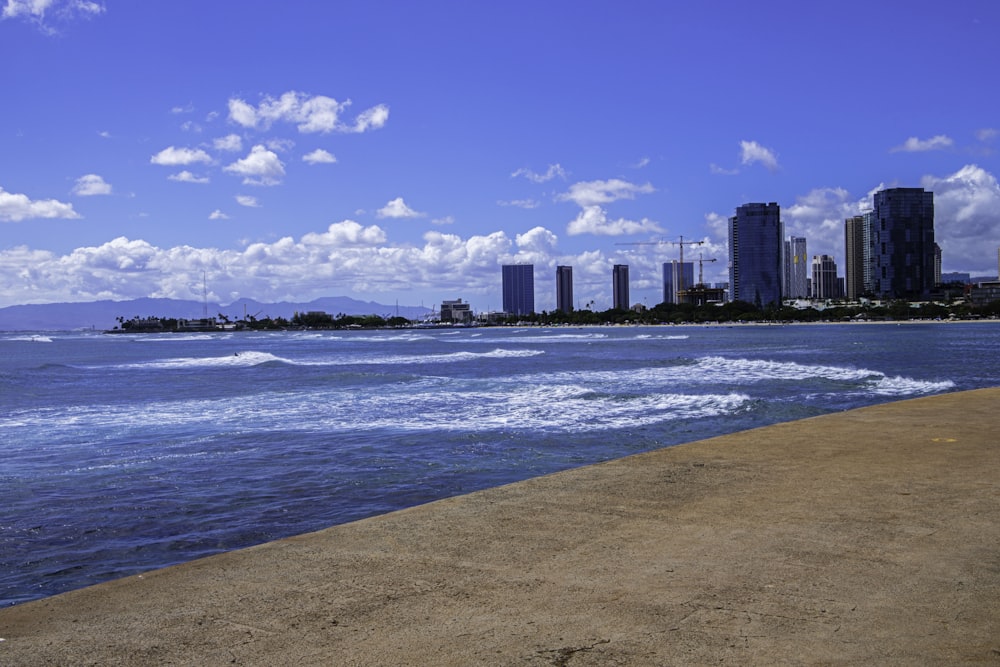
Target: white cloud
column 915, row 145
column 319, row 156
column 538, row 240
column 642, row 163
column 91, row 184
column 17, row 207
column 217, row 215
column 751, row 152
column 309, row 113
column 519, row 203
column 967, row 219
column 187, row 108
column 175, row 157
column 44, row 12
column 187, row 177
column 589, row 193
column 247, row 200
column 371, row 119
column 594, row 220
column 397, row 208
column 345, row 258
column 279, row 144
column 446, row 220
column 231, row 143
column 259, row 167
column 554, row 170
column 346, row 233
column 721, row 171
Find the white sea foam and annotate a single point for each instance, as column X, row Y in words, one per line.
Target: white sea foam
column 430, row 405
column 32, row 339
column 238, row 359
column 900, row 386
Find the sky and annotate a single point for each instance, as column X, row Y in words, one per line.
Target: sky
column 402, row 151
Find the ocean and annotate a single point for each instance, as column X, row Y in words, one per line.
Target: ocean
column 124, row 453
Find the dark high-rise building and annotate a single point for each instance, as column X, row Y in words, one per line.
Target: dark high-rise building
column 564, row 288
column 676, row 277
column 824, row 278
column 619, row 286
column 857, row 255
column 902, row 243
column 755, row 254
column 519, row 289
column 796, row 285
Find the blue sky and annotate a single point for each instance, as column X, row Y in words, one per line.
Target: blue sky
column 403, row 151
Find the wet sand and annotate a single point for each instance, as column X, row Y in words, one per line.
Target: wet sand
column 868, row 536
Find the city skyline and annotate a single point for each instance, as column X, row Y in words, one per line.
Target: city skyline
column 403, row 154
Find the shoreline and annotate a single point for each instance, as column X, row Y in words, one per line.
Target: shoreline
column 793, row 543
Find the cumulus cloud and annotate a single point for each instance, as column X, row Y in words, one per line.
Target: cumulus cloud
column 91, row 184
column 346, row 258
column 589, row 193
column 176, row 157
column 259, row 167
column 187, row 177
column 247, row 200
column 319, row 156
column 346, row 233
column 308, row 113
column 751, row 152
column 554, row 170
column 594, row 220
column 15, row 207
column 397, row 208
column 966, row 205
column 915, row 145
column 231, row 143
column 217, row 215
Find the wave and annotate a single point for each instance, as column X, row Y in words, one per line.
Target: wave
column 235, row 360
column 32, row 339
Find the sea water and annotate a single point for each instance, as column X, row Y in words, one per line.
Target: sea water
column 122, row 453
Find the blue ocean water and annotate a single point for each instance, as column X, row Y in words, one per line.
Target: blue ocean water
column 123, row 453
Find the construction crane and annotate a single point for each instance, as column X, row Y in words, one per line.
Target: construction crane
column 701, row 275
column 681, row 243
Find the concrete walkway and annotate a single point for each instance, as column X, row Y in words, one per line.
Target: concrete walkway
column 870, row 536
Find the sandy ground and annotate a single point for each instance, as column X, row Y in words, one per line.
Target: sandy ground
column 869, row 536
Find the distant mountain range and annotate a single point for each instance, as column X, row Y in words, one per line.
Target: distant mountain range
column 104, row 314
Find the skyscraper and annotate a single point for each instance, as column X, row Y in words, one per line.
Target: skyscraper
column 755, row 254
column 796, row 269
column 619, row 285
column 676, row 276
column 902, row 243
column 824, row 278
column 519, row 289
column 857, row 251
column 564, row 288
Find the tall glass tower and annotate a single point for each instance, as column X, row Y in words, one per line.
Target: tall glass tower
column 902, row 243
column 796, row 269
column 564, row 288
column 619, row 277
column 519, row 289
column 756, row 254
